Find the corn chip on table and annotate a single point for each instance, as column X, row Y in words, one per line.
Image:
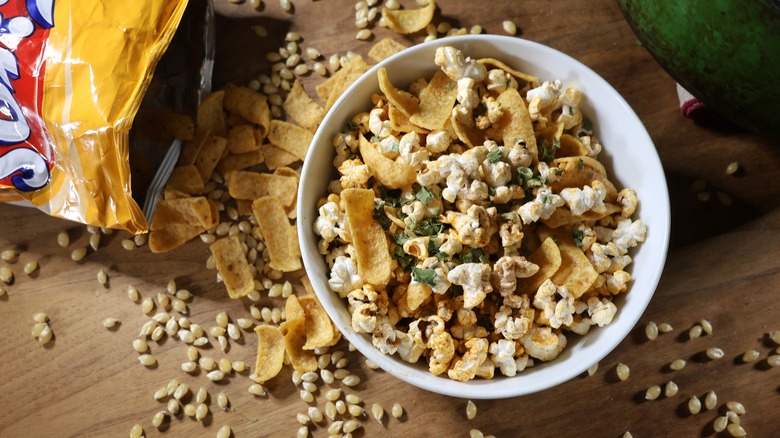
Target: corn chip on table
column 723, row 266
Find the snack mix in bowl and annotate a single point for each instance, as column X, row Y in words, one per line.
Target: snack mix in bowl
column 472, row 226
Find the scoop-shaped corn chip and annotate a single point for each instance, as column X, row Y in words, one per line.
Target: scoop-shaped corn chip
column 294, row 333
column 211, row 114
column 319, row 330
column 209, row 155
column 400, row 122
column 390, row 173
column 515, row 125
column 290, row 138
column 384, row 49
column 548, row 257
column 373, row 256
column 407, row 21
column 241, row 139
column 275, row 157
column 303, row 108
column 186, row 179
column 576, row 272
column 436, row 102
column 270, row 352
column 564, row 216
column 189, row 211
column 571, row 146
column 582, row 171
column 491, row 62
column 233, row 266
column 249, row 105
column 172, row 236
column 403, row 100
column 252, row 185
column 416, row 294
column 275, row 228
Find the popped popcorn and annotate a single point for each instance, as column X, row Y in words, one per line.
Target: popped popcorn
column 464, row 295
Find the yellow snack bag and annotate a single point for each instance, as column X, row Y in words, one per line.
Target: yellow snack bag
column 73, row 77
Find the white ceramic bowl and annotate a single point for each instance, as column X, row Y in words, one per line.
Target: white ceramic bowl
column 629, row 156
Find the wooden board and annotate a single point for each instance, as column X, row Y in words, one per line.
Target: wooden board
column 722, row 266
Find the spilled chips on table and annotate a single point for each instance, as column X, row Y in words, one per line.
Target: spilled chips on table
column 385, row 48
column 406, row 21
column 270, row 353
column 233, row 266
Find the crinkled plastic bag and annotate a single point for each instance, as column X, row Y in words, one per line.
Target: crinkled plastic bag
column 72, row 76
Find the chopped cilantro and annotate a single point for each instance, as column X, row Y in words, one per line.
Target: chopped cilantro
column 374, row 139
column 394, row 147
column 547, row 153
column 399, row 239
column 424, row 276
column 391, row 197
column 424, row 195
column 350, row 126
column 571, row 110
column 580, row 164
column 577, row 234
column 429, row 227
column 495, row 155
column 433, row 249
column 405, row 261
column 525, row 173
column 587, row 125
column 547, row 199
column 510, row 216
column 476, row 255
column 449, row 85
column 528, row 178
column 491, row 191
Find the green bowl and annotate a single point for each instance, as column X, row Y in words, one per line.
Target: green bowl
column 725, row 52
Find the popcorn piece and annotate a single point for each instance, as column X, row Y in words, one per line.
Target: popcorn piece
column 540, row 208
column 437, row 142
column 475, row 280
column 544, row 344
column 378, row 123
column 465, row 368
column 502, row 353
column 601, row 311
column 628, row 199
column 354, row 173
column 585, row 199
column 554, row 313
column 508, row 269
column 476, row 227
column 344, row 277
column 628, row 234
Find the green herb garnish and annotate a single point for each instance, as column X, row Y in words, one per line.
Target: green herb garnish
column 577, row 234
column 350, row 126
column 429, row 227
column 495, row 155
column 476, row 255
column 405, row 261
column 424, row 195
column 424, row 276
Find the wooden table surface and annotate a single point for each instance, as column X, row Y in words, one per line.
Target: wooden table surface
column 722, row 266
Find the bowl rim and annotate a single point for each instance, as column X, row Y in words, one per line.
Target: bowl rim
column 481, row 389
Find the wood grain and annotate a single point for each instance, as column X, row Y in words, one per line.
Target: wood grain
column 722, row 267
